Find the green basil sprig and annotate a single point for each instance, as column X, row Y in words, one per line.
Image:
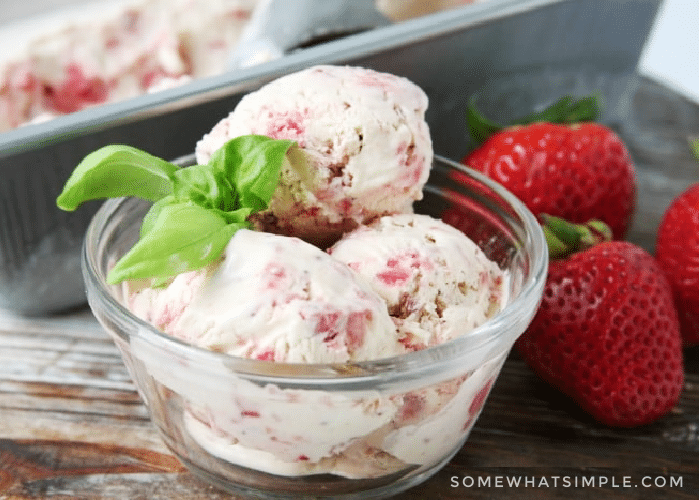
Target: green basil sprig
column 196, row 209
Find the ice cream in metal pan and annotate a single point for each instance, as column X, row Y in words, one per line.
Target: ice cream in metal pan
column 114, row 51
column 108, row 51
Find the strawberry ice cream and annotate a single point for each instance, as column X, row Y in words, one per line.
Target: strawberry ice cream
column 365, row 148
column 438, row 284
column 278, row 298
column 112, row 51
column 273, row 298
column 391, row 283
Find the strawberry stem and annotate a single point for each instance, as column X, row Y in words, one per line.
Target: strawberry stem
column 480, row 127
column 564, row 237
column 566, row 110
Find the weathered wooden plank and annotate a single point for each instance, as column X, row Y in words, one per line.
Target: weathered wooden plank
column 75, row 400
column 136, row 486
column 64, row 428
column 63, row 353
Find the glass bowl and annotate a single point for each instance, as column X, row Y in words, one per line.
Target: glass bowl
column 360, row 430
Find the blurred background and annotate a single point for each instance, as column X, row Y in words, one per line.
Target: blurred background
column 671, row 54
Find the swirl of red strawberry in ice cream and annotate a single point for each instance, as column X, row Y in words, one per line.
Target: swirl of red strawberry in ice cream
column 438, row 284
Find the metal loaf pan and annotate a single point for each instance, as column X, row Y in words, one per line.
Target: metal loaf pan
column 585, row 43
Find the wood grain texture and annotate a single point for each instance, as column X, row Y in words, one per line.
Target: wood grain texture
column 72, row 425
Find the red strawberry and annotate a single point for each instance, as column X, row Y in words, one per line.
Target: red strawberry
column 578, row 170
column 677, row 252
column 607, row 333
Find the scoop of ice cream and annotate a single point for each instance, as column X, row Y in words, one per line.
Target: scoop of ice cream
column 438, row 284
column 273, row 298
column 364, row 143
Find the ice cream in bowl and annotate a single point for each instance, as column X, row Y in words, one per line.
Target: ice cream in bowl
column 319, row 306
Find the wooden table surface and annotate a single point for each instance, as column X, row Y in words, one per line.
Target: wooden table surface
column 73, row 426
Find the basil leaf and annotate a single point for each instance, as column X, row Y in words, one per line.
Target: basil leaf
column 253, row 163
column 151, row 216
column 114, row 171
column 183, row 237
column 236, row 216
column 196, row 210
column 205, row 186
column 230, row 216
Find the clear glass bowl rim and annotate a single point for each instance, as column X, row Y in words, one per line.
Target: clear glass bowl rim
column 411, row 365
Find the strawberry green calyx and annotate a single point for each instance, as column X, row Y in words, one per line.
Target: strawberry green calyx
column 566, row 110
column 693, row 143
column 564, row 237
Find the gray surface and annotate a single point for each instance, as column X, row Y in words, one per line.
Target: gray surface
column 657, row 131
column 591, row 44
